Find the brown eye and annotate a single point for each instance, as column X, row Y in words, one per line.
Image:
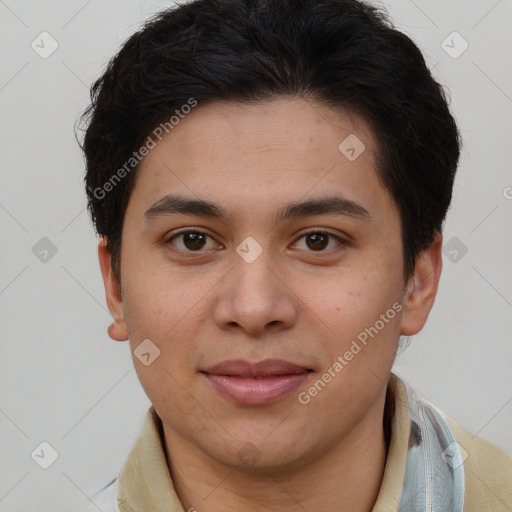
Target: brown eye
column 318, row 241
column 194, row 241
column 190, row 241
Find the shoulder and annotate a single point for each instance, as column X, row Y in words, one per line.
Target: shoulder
column 487, row 471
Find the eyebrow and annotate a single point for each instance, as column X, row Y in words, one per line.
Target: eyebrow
column 172, row 204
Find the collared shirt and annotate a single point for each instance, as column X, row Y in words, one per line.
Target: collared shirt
column 145, row 483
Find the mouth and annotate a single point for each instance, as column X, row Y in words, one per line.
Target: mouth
column 259, row 383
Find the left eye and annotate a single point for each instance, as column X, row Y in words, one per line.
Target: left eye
column 319, row 240
column 194, row 241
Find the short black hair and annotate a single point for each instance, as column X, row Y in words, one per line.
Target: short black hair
column 343, row 53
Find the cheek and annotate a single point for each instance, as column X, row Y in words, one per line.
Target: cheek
column 153, row 300
column 363, row 306
column 143, row 310
column 362, row 293
column 165, row 309
column 162, row 318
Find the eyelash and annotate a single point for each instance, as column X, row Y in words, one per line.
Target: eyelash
column 343, row 243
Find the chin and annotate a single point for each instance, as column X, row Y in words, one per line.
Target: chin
column 264, row 450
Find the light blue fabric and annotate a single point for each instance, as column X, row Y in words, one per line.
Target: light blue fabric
column 434, row 469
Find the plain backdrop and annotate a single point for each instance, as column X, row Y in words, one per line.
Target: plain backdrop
column 64, row 382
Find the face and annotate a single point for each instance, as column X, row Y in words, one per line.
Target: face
column 277, row 306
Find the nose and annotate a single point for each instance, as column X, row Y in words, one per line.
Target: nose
column 256, row 297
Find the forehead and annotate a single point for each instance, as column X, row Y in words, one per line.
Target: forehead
column 278, row 124
column 266, row 151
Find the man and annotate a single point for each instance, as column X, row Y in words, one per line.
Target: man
column 269, row 180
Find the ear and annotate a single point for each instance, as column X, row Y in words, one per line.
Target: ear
column 422, row 288
column 117, row 330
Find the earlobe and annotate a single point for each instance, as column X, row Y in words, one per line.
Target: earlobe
column 117, row 330
column 422, row 288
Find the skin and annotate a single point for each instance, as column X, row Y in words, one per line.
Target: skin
column 295, row 302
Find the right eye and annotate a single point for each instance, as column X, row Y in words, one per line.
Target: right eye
column 191, row 241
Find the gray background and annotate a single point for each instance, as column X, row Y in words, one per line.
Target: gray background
column 63, row 381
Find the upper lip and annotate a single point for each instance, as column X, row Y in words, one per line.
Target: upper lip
column 264, row 368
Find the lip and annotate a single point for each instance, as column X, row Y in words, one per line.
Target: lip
column 257, row 383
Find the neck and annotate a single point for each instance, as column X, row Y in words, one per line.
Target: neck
column 346, row 477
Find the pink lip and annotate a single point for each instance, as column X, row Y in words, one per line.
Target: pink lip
column 258, row 383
